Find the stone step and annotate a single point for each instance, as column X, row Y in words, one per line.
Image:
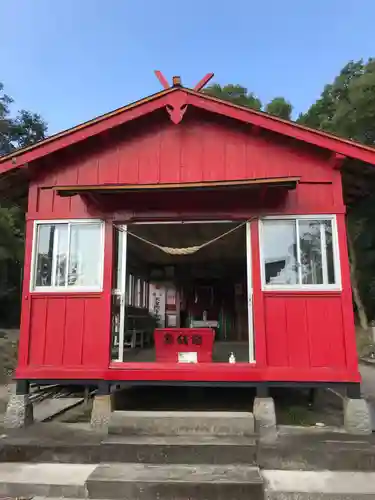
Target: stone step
column 50, row 480
column 169, row 423
column 328, row 451
column 171, row 482
column 318, row 485
column 142, row 449
column 180, row 449
column 133, row 481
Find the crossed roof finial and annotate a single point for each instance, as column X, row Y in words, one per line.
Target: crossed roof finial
column 177, row 81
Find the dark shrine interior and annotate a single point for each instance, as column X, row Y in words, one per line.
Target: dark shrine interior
column 207, row 288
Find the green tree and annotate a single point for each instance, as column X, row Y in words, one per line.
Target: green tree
column 346, row 107
column 279, row 107
column 237, row 94
column 20, row 130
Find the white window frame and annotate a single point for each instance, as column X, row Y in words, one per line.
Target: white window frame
column 337, row 286
column 66, row 288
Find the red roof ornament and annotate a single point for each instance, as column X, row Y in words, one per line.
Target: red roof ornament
column 177, row 104
column 177, row 81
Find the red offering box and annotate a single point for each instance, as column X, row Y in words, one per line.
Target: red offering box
column 169, row 342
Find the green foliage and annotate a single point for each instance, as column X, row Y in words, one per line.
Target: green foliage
column 237, row 94
column 17, row 131
column 11, row 230
column 347, row 106
column 21, row 130
column 280, row 107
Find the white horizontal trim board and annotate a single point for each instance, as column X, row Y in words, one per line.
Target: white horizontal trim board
column 331, row 482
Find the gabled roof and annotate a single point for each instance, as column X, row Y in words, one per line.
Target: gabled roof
column 175, row 100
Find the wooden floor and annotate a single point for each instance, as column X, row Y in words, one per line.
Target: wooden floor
column 221, row 353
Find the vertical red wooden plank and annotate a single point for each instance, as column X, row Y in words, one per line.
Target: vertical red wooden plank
column 191, row 154
column 235, row 157
column 346, row 296
column 148, row 149
column 128, row 162
column 67, row 177
column 108, row 164
column 337, row 194
column 276, row 331
column 298, row 339
column 74, row 329
column 258, row 299
column 32, row 201
column 55, row 328
column 95, row 351
column 38, row 320
column 78, row 208
column 170, row 154
column 318, row 332
column 61, row 206
column 46, row 199
column 213, row 152
column 255, row 158
column 23, row 347
column 88, row 170
column 335, row 333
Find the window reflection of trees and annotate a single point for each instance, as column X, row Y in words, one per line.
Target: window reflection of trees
column 310, row 252
column 309, row 259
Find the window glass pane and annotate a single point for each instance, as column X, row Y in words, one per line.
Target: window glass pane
column 329, row 250
column 280, row 252
column 61, row 254
column 310, row 252
column 44, row 254
column 85, row 255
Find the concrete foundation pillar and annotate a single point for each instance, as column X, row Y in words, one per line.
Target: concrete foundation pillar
column 101, row 411
column 19, row 412
column 357, row 417
column 265, row 418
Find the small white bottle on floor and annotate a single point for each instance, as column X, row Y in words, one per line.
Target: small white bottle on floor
column 232, row 358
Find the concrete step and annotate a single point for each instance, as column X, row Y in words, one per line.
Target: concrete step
column 169, row 423
column 142, row 449
column 133, row 481
column 50, row 480
column 318, row 485
column 309, row 451
column 171, row 482
column 179, row 449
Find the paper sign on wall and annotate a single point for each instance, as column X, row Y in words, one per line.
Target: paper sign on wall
column 157, row 304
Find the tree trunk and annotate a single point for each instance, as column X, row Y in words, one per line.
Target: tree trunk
column 362, row 316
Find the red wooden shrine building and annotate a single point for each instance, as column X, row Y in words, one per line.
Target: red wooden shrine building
column 185, row 239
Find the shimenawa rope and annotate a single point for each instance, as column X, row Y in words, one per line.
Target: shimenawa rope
column 188, row 250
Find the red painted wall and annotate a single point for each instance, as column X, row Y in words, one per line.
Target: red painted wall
column 73, row 330
column 193, row 151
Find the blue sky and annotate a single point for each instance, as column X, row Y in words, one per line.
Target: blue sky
column 71, row 60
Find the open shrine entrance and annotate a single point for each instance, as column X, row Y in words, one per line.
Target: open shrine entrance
column 178, row 284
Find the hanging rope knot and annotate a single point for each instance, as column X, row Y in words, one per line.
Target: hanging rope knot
column 189, row 250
